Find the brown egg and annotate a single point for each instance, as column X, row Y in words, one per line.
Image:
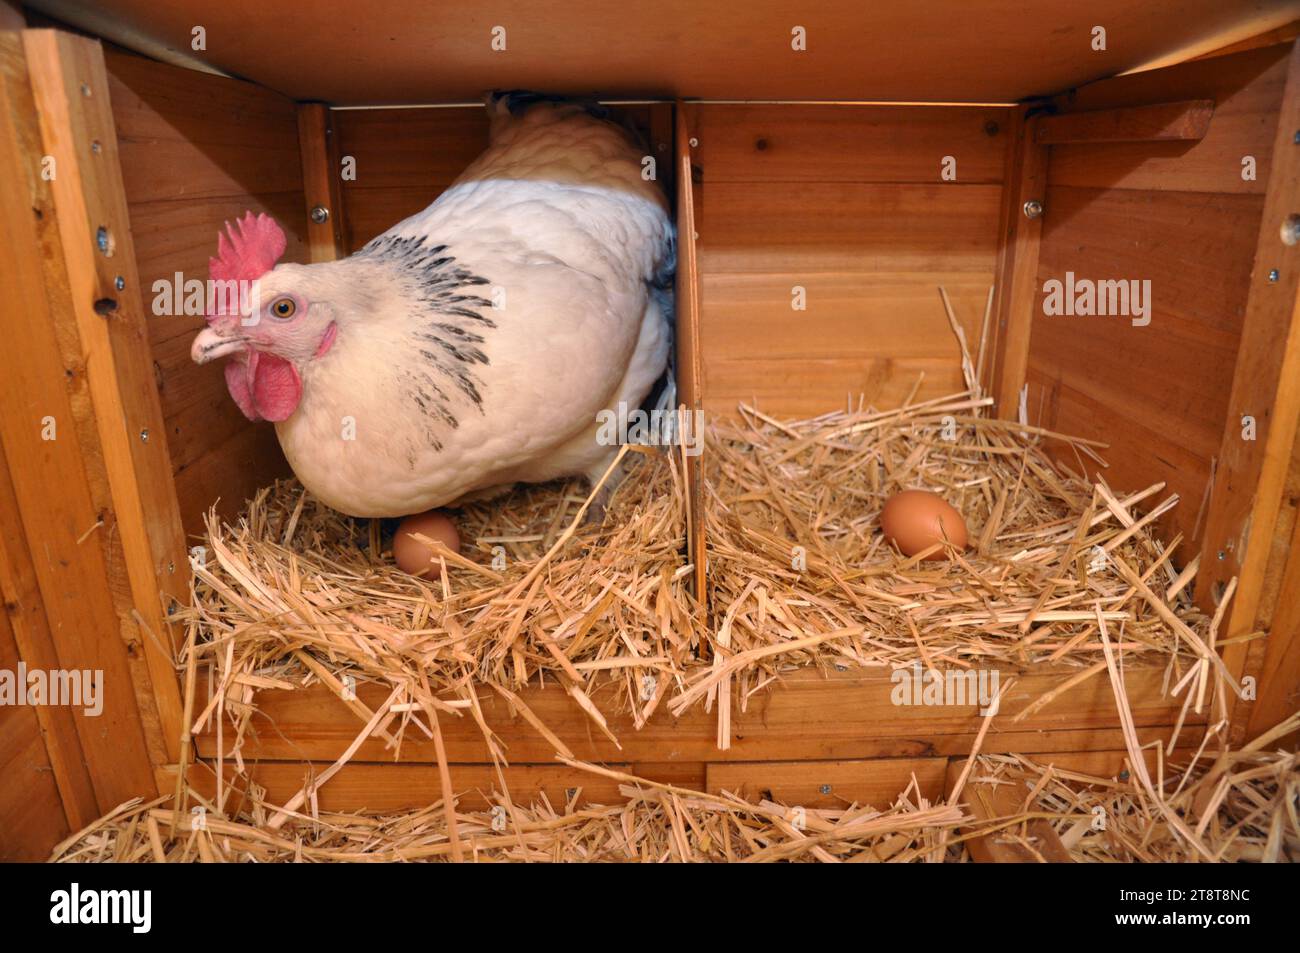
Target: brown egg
column 914, row 520
column 415, row 557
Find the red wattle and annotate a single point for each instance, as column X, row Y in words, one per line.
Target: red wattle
column 277, row 388
column 239, row 383
column 265, row 387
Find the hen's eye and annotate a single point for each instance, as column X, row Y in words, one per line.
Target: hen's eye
column 283, row 307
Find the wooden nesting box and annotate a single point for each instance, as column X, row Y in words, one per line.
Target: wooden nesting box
column 863, row 156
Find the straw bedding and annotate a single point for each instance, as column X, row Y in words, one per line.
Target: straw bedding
column 1240, row 806
column 1061, row 571
column 292, row 593
column 800, row 573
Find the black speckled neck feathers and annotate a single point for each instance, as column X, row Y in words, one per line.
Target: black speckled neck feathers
column 448, row 324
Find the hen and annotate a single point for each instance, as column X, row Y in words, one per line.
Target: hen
column 473, row 344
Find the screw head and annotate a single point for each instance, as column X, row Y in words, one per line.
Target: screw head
column 85, row 91
column 119, row 282
column 1222, row 555
column 144, row 436
column 694, row 142
column 320, row 215
column 1033, row 208
column 825, row 789
column 1274, row 275
column 103, row 241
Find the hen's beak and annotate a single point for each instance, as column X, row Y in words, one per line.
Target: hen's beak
column 210, row 345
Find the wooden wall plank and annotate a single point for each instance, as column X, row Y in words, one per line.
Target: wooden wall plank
column 900, row 315
column 32, row 816
column 387, row 788
column 812, row 716
column 410, row 148
column 197, row 136
column 864, row 227
column 831, row 784
column 1157, row 394
column 199, row 150
column 406, row 157
column 847, row 203
column 807, row 387
column 25, row 623
column 833, row 142
column 373, row 211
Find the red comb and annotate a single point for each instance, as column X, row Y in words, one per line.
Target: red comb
column 248, row 249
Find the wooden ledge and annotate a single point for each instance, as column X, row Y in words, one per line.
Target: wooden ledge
column 1162, row 122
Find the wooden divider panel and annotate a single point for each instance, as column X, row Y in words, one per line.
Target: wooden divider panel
column 688, row 360
column 1181, row 215
column 1253, row 517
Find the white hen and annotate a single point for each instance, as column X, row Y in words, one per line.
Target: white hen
column 471, row 345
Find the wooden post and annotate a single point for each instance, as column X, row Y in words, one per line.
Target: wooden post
column 97, row 502
column 688, row 363
column 321, row 182
column 1016, row 291
column 1251, row 520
